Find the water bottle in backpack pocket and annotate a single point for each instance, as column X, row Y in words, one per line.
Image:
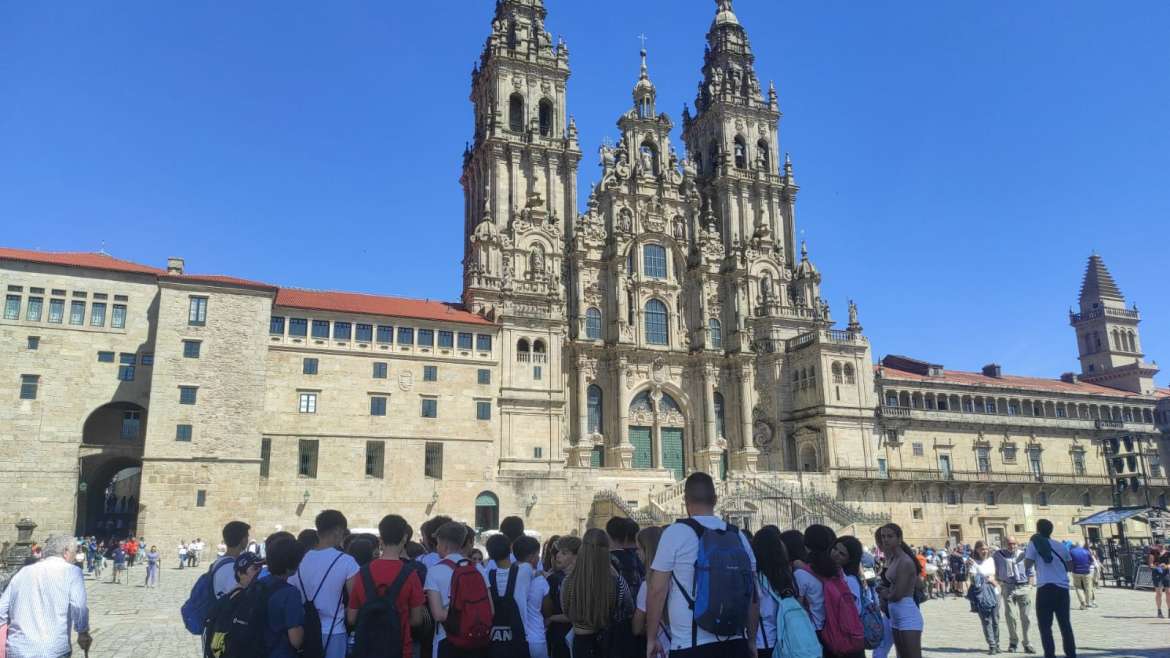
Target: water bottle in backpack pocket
column 508, row 639
column 196, row 609
column 723, row 584
column 237, row 624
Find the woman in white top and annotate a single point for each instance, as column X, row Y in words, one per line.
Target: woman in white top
column 776, row 582
column 982, row 564
column 647, row 540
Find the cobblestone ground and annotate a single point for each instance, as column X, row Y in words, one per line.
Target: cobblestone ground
column 131, row 621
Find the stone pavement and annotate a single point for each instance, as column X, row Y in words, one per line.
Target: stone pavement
column 1125, row 624
column 131, row 621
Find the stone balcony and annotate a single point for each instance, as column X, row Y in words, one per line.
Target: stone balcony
column 989, row 477
column 935, row 415
column 1122, row 313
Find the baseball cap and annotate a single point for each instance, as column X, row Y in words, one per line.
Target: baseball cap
column 248, row 559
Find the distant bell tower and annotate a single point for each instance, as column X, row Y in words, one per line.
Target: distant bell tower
column 1107, row 334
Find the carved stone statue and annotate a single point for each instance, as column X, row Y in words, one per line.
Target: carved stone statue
column 626, row 221
column 647, row 161
column 680, row 229
column 536, row 261
column 852, row 313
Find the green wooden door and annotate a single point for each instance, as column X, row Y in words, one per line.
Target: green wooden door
column 597, row 457
column 672, row 451
column 640, row 438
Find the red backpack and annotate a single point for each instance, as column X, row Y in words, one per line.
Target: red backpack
column 843, row 632
column 469, row 614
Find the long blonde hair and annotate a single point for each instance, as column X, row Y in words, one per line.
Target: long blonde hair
column 590, row 589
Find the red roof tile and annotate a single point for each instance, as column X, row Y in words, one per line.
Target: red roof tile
column 349, row 302
column 95, row 261
column 1006, row 381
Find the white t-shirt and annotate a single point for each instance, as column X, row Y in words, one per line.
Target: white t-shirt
column 533, row 617
column 766, row 633
column 314, row 573
column 430, row 559
column 676, row 553
column 223, row 575
column 640, row 604
column 809, row 588
column 1050, row 573
column 519, row 595
column 987, row 568
column 855, row 589
column 439, row 580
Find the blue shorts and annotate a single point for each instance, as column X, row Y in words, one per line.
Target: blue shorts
column 1161, row 578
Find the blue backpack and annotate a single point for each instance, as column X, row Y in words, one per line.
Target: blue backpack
column 197, row 607
column 723, row 585
column 795, row 635
column 872, row 623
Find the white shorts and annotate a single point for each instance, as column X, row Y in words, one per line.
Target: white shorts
column 905, row 615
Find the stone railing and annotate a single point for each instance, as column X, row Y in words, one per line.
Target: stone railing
column 1123, row 313
column 938, row 475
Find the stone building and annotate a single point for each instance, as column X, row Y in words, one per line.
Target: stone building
column 595, row 358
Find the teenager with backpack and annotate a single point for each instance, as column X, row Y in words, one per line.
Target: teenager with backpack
column 847, row 553
column 554, row 614
column 508, row 583
column 841, row 633
column 235, row 623
column 323, row 578
column 284, row 630
column 703, row 575
column 457, row 598
column 528, row 556
column 427, row 535
column 785, row 629
column 623, row 554
column 1052, row 562
column 595, row 598
column 386, row 598
column 896, row 586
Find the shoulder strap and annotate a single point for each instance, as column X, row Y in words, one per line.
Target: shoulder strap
column 699, row 528
column 324, row 577
column 368, row 585
column 399, row 581
column 513, row 573
column 493, row 585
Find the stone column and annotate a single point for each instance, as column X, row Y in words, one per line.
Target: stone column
column 746, row 457
column 622, row 451
column 711, row 454
column 581, row 452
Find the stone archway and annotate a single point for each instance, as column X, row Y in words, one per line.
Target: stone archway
column 110, row 470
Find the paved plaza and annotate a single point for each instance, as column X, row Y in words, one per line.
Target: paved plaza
column 130, row 621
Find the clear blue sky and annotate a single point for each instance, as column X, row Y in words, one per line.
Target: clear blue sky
column 958, row 161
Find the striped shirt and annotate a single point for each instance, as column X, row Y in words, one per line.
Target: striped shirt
column 42, row 602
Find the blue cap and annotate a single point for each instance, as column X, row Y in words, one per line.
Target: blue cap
column 247, row 559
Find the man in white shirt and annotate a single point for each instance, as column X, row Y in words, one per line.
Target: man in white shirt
column 527, row 552
column 43, row 601
column 223, row 577
column 449, row 540
column 674, row 567
column 1052, row 563
column 324, row 572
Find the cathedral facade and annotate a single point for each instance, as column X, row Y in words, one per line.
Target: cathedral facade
column 597, row 357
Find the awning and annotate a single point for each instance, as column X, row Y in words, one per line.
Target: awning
column 1119, row 514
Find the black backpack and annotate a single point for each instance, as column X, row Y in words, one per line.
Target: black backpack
column 236, row 625
column 379, row 623
column 508, row 639
column 626, row 562
column 313, row 645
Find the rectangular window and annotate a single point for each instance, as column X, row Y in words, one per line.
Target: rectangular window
column 654, row 261
column 126, row 373
column 117, row 319
column 484, row 376
column 483, row 410
column 380, row 370
column 197, row 311
column 35, row 308
column 430, row 373
column 537, row 453
column 57, row 311
column 989, row 498
column 298, row 327
column 12, row 307
column 883, row 468
column 364, row 333
column 201, row 498
column 983, row 459
column 430, row 408
column 265, row 456
column 375, row 458
column 276, row 326
column 341, row 330
column 1078, row 463
column 405, row 336
column 307, row 458
column 952, row 497
column 1009, row 454
column 28, row 386
column 446, row 339
column 377, row 405
column 916, row 513
column 320, row 329
column 131, row 425
column 917, row 449
column 483, row 343
column 183, row 432
column 465, row 340
column 105, row 357
column 309, row 366
column 77, row 313
column 308, row 403
column 191, row 349
column 537, row 373
column 97, row 314
column 34, row 342
column 385, row 334
column 188, row 394
column 426, row 337
column 1034, row 462
column 127, row 358
column 991, row 408
column 148, row 358
column 433, row 463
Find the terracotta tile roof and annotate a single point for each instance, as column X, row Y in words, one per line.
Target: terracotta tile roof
column 1162, row 393
column 964, row 378
column 95, row 261
column 350, row 302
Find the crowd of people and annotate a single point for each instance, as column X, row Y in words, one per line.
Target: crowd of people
column 696, row 588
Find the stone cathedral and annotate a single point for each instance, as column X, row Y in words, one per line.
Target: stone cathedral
column 608, row 342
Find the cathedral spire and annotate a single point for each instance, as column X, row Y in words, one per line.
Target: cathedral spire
column 644, row 91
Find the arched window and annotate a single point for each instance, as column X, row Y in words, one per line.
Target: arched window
column 740, row 153
column 649, row 155
column 516, row 113
column 654, row 261
column 595, row 409
column 593, row 324
column 546, row 118
column 487, row 511
column 765, row 155
column 849, row 379
column 629, row 256
column 538, row 346
column 715, row 331
column 1117, row 341
column 668, row 404
column 522, row 346
column 656, row 323
column 720, row 419
column 837, row 378
column 1132, row 342
column 892, row 399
